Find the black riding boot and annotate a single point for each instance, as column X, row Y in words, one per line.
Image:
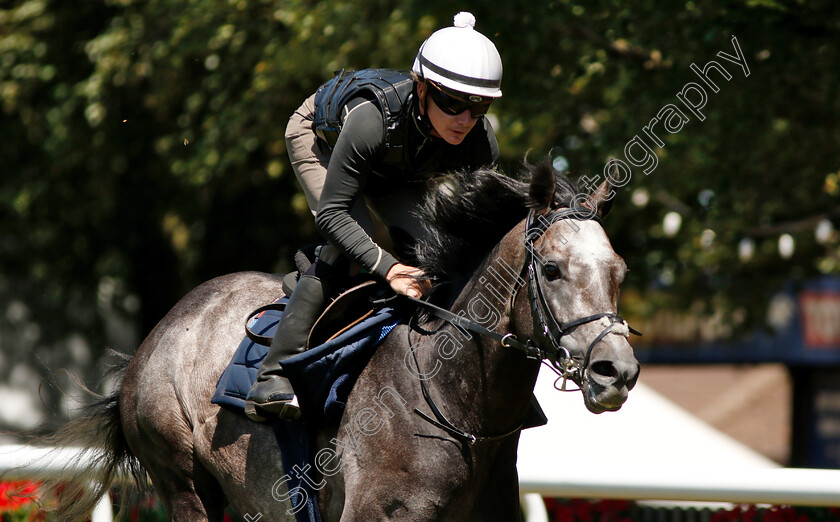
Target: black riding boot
column 272, row 395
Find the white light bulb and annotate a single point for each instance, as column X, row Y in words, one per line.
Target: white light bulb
column 746, row 249
column 823, row 231
column 786, row 246
column 671, row 223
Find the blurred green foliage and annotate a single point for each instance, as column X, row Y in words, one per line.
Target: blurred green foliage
column 143, row 147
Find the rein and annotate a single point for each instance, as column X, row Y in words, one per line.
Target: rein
column 549, row 349
column 507, row 340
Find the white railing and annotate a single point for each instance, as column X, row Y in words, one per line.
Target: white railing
column 789, row 486
column 21, row 462
column 781, row 486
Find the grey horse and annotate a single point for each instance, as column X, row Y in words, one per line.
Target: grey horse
column 384, row 460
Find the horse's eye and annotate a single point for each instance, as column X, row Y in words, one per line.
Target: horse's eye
column 552, row 271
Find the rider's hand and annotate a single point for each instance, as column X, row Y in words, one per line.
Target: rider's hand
column 408, row 280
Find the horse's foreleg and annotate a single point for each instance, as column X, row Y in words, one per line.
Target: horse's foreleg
column 418, row 483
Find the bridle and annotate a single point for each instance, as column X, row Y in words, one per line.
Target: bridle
column 549, row 330
column 547, row 347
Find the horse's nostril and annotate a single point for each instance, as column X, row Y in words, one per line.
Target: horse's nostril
column 605, row 369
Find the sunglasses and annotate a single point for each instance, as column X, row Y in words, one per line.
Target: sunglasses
column 454, row 105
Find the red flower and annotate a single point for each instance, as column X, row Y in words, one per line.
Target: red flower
column 16, row 494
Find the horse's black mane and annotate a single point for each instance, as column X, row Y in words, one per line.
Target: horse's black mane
column 468, row 213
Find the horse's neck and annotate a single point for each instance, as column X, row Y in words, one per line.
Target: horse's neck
column 490, row 383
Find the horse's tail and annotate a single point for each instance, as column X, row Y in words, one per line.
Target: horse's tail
column 99, row 430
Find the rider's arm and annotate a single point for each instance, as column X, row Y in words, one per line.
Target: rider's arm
column 358, row 145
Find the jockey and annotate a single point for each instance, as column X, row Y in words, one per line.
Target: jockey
column 373, row 138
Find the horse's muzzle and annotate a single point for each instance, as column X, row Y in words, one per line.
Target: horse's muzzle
column 607, row 381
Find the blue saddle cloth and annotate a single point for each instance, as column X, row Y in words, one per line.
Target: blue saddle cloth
column 322, row 378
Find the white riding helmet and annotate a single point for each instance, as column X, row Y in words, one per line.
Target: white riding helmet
column 461, row 59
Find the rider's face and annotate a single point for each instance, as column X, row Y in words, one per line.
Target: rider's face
column 452, row 129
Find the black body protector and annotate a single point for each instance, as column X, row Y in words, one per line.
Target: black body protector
column 393, row 91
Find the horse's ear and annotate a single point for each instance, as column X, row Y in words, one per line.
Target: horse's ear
column 602, row 197
column 543, row 184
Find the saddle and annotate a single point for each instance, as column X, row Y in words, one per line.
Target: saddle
column 345, row 311
column 349, row 308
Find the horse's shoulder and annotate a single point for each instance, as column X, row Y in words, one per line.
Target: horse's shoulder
column 389, row 371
